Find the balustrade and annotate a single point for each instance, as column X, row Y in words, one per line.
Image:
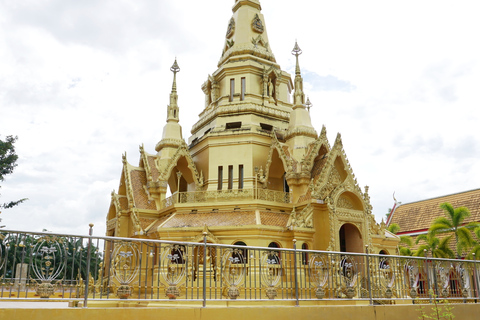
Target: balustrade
column 226, row 196
column 87, row 268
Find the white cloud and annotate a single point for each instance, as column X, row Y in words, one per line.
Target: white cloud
column 84, row 81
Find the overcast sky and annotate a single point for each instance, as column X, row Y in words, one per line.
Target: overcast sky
column 81, row 82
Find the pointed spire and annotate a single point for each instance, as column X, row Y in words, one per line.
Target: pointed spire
column 308, row 104
column 298, row 96
column 175, row 68
column 172, row 131
column 173, row 107
column 296, row 52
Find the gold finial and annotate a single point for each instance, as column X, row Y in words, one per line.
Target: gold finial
column 175, row 68
column 308, row 104
column 296, row 50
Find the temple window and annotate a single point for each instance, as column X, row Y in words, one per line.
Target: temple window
column 242, row 97
column 304, row 254
column 266, row 127
column 233, row 125
column 232, row 89
column 240, row 176
column 220, row 177
column 243, row 258
column 177, row 255
column 230, row 177
column 274, row 256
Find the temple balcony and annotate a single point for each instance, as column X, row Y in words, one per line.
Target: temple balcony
column 232, row 195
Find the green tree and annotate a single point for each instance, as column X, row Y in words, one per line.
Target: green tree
column 476, row 246
column 8, row 159
column 435, row 247
column 394, row 228
column 453, row 221
column 405, row 241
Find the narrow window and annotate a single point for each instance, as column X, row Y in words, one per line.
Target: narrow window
column 242, row 97
column 274, row 256
column 233, row 125
column 304, row 254
column 232, row 89
column 266, row 127
column 240, row 255
column 230, row 177
column 240, row 176
column 220, row 177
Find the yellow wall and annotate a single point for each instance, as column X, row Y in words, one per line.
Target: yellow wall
column 400, row 312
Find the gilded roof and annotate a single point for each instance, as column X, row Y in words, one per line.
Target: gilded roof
column 317, row 167
column 211, row 219
column 145, row 222
column 417, row 216
column 277, row 219
column 139, row 179
column 123, row 202
column 159, row 222
column 153, row 167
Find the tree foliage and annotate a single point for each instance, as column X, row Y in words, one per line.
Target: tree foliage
column 453, row 222
column 22, row 248
column 434, row 246
column 8, row 162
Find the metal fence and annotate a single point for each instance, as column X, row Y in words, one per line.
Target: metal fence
column 87, row 268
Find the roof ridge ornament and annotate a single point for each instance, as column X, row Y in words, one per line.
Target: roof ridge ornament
column 298, row 96
column 296, row 52
column 175, row 68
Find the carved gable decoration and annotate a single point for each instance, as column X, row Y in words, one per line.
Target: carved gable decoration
column 182, row 151
column 350, row 200
column 344, row 202
column 231, row 28
column 257, row 24
column 336, row 172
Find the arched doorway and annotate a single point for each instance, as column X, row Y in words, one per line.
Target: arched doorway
column 350, row 239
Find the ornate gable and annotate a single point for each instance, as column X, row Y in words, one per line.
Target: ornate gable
column 166, row 168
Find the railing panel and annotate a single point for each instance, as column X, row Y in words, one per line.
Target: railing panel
column 36, row 265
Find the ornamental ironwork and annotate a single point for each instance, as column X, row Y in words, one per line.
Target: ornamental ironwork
column 125, row 266
column 412, row 275
column 234, row 270
column 173, row 269
column 48, row 264
column 318, row 269
column 271, row 271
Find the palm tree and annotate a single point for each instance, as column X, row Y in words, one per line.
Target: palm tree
column 436, row 247
column 453, row 221
column 406, row 241
column 476, row 247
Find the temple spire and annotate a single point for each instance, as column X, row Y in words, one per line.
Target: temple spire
column 300, row 130
column 298, row 96
column 172, row 131
column 173, row 107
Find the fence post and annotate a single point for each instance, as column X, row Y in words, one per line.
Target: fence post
column 428, row 274
column 205, row 268
column 295, row 271
column 368, row 276
column 475, row 274
column 90, row 232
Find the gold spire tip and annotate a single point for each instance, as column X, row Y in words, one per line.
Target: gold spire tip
column 175, row 68
column 296, row 50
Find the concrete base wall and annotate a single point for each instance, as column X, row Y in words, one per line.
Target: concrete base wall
column 400, row 312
